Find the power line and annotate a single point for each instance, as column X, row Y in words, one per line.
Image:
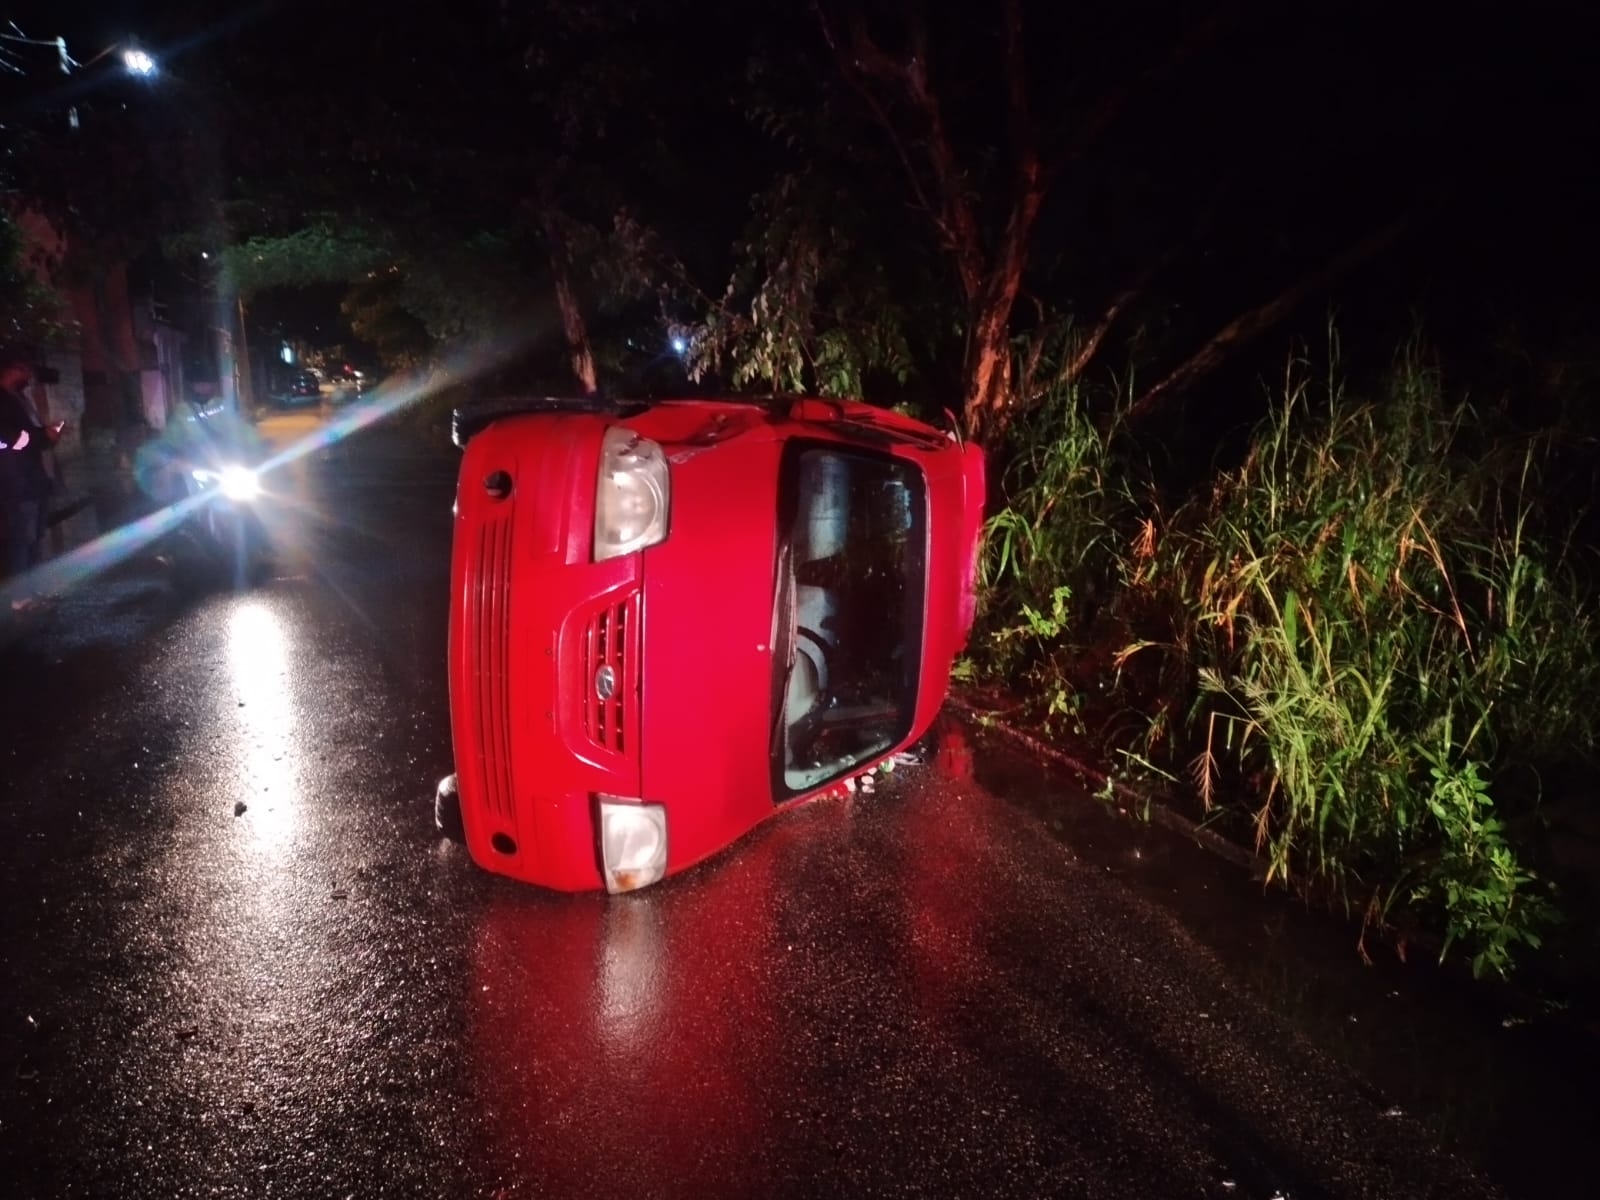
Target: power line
column 59, row 44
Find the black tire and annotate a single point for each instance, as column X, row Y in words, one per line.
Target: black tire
column 447, row 810
column 473, row 417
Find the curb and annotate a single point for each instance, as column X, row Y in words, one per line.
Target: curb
column 1159, row 812
column 1525, row 1006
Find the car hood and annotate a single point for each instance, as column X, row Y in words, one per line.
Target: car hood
column 707, row 677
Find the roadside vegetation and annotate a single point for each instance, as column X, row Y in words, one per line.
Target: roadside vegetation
column 1364, row 645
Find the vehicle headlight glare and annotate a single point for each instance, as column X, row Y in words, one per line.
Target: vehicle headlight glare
column 233, row 481
column 239, row 483
column 633, row 843
column 632, row 494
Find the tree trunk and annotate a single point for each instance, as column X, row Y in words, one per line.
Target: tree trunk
column 577, row 332
column 572, row 322
column 247, row 383
column 987, row 402
column 988, row 373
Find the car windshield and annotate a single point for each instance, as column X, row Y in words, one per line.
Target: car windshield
column 847, row 620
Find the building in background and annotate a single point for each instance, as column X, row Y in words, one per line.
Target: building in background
column 126, row 359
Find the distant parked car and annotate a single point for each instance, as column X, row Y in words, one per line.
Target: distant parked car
column 348, row 383
column 302, row 388
column 670, row 621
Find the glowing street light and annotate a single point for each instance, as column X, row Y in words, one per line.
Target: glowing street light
column 138, row 62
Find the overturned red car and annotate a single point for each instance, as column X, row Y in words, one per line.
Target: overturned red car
column 670, row 620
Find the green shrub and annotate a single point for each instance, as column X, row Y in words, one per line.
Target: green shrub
column 1367, row 628
column 1045, row 550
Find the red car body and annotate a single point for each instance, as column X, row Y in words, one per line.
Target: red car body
column 803, row 579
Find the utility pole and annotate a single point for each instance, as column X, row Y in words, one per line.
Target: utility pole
column 247, row 386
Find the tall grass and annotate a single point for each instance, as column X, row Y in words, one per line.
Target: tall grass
column 1064, row 503
column 1368, row 627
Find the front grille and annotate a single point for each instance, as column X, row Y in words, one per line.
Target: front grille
column 491, row 632
column 611, row 640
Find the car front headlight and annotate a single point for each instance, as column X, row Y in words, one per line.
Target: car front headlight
column 633, row 843
column 632, row 494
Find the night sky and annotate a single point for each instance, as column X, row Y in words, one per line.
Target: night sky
column 1295, row 131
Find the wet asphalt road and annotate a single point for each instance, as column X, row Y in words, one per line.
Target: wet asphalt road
column 238, row 962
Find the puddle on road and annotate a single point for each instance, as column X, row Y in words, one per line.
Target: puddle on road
column 1515, row 1097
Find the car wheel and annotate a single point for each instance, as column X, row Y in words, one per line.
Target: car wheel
column 447, row 810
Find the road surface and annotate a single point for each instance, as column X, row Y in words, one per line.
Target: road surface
column 239, row 962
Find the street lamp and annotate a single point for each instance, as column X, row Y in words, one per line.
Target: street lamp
column 138, row 62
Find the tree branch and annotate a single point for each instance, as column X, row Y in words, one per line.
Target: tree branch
column 1024, row 140
column 1090, row 346
column 1250, row 325
column 1112, row 103
column 952, row 179
column 847, row 68
column 1031, row 391
column 1006, row 276
column 954, row 216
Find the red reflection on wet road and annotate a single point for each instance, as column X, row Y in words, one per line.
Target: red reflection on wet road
column 943, row 921
column 705, row 1037
column 609, row 1037
column 954, row 756
column 905, row 992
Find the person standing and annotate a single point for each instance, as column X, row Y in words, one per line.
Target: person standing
column 25, row 483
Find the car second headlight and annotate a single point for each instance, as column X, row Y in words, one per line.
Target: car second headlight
column 633, row 842
column 633, row 491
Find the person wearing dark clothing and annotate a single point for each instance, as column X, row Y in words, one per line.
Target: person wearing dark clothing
column 25, row 483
